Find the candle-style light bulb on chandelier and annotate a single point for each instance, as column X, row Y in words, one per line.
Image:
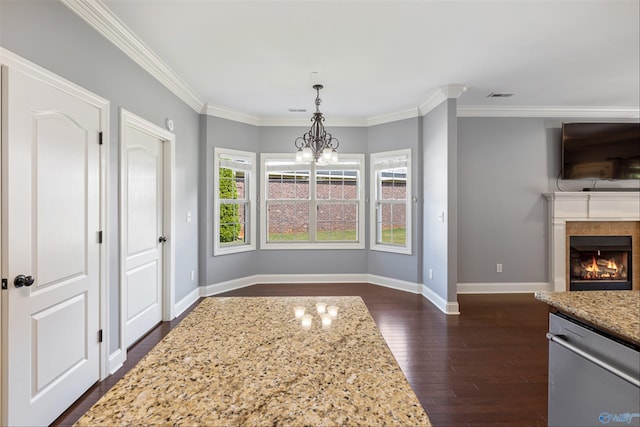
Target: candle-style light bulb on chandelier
column 317, row 144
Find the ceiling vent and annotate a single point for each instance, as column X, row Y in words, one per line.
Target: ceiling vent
column 499, row 95
column 297, row 110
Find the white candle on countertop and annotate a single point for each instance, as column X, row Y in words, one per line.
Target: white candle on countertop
column 299, row 312
column 326, row 320
column 306, row 321
column 322, row 307
column 333, row 311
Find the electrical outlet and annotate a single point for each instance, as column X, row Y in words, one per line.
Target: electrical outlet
column 193, row 275
column 499, row 268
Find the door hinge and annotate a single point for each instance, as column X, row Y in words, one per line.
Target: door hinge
column 100, row 137
column 99, row 236
column 100, row 335
column 4, row 284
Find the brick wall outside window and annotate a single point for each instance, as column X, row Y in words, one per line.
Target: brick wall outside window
column 329, row 214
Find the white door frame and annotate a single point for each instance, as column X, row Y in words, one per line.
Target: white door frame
column 128, row 119
column 14, row 61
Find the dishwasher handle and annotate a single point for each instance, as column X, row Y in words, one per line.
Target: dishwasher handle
column 558, row 339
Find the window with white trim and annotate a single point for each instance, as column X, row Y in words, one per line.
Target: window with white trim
column 311, row 206
column 391, row 201
column 234, row 201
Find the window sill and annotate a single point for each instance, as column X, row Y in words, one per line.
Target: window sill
column 218, row 251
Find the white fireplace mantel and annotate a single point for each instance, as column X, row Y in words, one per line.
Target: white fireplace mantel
column 583, row 206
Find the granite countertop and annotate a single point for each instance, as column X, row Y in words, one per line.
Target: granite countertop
column 249, row 361
column 617, row 312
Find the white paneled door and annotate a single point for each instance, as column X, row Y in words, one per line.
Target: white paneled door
column 143, row 237
column 51, row 262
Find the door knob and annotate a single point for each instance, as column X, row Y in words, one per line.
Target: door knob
column 162, row 239
column 22, row 280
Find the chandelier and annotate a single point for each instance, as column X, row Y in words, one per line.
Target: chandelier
column 317, row 144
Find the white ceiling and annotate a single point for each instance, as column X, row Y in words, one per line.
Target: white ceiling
column 383, row 57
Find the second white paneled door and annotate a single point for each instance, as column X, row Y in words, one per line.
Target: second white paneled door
column 144, row 233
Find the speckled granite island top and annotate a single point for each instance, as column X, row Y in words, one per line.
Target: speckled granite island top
column 248, row 361
column 614, row 311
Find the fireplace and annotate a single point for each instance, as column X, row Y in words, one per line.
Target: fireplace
column 600, row 263
column 587, row 213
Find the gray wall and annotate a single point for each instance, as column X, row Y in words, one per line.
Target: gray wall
column 238, row 136
column 504, row 166
column 50, row 35
column 440, row 200
column 394, row 136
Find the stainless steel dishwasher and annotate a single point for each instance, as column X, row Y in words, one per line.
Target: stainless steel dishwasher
column 594, row 379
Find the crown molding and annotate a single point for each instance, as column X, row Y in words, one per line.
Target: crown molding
column 435, row 99
column 393, row 117
column 563, row 112
column 96, row 14
column 440, row 95
column 453, row 90
column 306, row 122
column 229, row 114
column 237, row 116
column 429, row 104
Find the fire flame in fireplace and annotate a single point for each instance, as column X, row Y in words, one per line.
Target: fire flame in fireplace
column 593, row 267
column 600, row 269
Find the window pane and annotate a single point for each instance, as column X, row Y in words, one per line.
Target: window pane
column 228, row 188
column 241, row 184
column 287, row 221
column 337, row 221
column 233, row 223
column 394, row 236
column 232, row 216
column 233, row 184
column 337, row 184
column 391, row 223
column 291, row 185
column 393, row 184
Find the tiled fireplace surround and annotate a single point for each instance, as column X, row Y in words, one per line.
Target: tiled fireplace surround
column 591, row 213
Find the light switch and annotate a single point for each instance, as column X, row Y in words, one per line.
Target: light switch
column 188, row 216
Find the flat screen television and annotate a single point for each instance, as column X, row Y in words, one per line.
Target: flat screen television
column 608, row 151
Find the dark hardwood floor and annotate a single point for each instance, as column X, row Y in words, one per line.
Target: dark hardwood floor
column 486, row 367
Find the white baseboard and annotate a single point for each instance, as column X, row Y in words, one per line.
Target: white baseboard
column 229, row 285
column 401, row 285
column 242, row 282
column 503, row 288
column 186, row 302
column 116, row 360
column 311, row 278
column 443, row 305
